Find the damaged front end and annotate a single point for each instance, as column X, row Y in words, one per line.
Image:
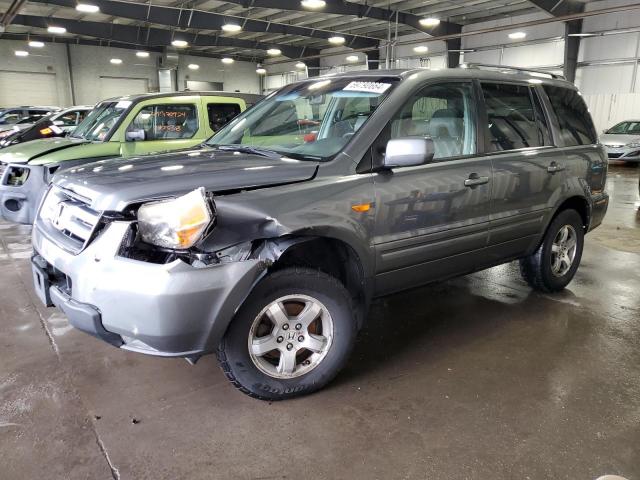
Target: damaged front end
column 141, row 296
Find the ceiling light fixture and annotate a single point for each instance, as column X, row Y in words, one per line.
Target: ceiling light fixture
column 87, row 8
column 274, row 52
column 116, row 61
column 180, row 43
column 301, row 65
column 313, row 4
column 517, row 35
column 193, row 66
column 583, row 34
column 36, row 44
column 58, row 30
column 228, row 60
column 430, row 22
column 260, row 71
column 336, row 40
column 21, row 53
column 231, row 27
column 142, row 54
column 421, row 49
column 353, row 58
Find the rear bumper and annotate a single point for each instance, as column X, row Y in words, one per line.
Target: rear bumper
column 19, row 203
column 599, row 206
column 166, row 310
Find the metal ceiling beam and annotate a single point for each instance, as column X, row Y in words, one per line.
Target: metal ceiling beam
column 150, row 36
column 341, row 7
column 201, row 20
column 97, row 42
column 559, row 7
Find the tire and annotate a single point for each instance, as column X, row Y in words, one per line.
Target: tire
column 541, row 270
column 279, row 373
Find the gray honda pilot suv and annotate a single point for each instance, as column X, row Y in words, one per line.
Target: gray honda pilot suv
column 267, row 244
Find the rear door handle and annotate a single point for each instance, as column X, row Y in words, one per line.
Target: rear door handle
column 555, row 167
column 474, row 180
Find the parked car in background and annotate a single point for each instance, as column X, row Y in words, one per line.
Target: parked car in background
column 622, row 141
column 120, row 127
column 23, row 116
column 267, row 244
column 58, row 124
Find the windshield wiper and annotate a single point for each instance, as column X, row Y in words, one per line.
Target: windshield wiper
column 248, row 149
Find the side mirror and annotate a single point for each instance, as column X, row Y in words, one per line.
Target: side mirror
column 135, row 135
column 408, row 152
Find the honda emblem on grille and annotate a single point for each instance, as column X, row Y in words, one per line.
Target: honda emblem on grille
column 58, row 217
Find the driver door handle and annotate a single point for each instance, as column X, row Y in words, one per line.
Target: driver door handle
column 555, row 167
column 475, row 180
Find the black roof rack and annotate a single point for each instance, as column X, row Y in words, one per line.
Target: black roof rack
column 530, row 71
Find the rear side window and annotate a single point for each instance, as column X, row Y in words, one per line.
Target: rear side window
column 513, row 122
column 221, row 113
column 166, row 122
column 576, row 127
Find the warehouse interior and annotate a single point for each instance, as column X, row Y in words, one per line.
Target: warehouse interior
column 472, row 377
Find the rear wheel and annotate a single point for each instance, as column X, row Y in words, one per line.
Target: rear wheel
column 291, row 337
column 554, row 263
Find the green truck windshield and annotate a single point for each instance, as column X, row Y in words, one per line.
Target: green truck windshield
column 102, row 120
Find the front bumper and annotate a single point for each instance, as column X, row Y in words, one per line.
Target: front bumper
column 19, row 203
column 172, row 309
column 623, row 153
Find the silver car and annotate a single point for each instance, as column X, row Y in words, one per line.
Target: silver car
column 622, row 141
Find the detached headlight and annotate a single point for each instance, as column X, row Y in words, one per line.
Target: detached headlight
column 633, row 144
column 178, row 223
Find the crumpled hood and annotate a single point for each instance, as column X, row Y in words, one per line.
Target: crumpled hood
column 113, row 184
column 25, row 152
column 609, row 139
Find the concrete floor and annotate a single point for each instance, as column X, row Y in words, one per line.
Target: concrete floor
column 476, row 378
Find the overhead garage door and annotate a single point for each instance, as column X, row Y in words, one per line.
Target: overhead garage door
column 119, row 86
column 28, row 88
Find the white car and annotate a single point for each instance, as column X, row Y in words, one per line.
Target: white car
column 622, row 141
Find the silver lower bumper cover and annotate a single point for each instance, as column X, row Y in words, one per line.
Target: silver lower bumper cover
column 167, row 310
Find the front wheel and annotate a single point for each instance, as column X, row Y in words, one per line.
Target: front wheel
column 556, row 260
column 291, row 337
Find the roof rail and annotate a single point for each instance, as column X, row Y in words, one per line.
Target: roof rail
column 530, row 71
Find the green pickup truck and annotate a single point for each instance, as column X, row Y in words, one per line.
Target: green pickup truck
column 127, row 127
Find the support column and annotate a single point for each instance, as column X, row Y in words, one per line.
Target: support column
column 313, row 67
column 453, row 58
column 373, row 59
column 571, row 49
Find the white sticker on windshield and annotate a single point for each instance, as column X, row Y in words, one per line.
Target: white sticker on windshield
column 123, row 104
column 369, row 87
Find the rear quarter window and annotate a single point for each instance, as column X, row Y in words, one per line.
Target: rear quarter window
column 576, row 126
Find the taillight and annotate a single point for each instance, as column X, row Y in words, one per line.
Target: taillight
column 46, row 131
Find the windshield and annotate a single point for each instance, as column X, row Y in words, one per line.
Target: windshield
column 9, row 117
column 99, row 124
column 626, row 128
column 313, row 120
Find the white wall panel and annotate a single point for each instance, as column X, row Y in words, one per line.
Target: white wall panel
column 490, row 57
column 608, row 47
column 609, row 109
column 28, row 89
column 537, row 55
column 110, row 87
column 596, row 79
column 50, row 60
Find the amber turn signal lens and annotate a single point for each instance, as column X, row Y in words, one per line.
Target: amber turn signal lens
column 361, row 207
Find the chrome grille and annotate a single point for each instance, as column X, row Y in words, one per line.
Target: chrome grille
column 68, row 220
